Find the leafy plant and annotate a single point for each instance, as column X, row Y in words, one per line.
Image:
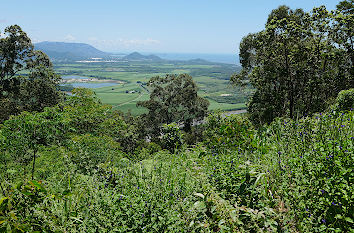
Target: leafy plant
column 172, row 138
column 228, row 132
column 18, row 209
column 26, row 133
column 345, row 100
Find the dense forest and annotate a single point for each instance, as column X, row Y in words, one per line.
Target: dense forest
column 72, row 164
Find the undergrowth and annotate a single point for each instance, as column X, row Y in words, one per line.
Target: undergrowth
column 289, row 176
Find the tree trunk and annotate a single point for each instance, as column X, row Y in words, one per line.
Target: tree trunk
column 34, row 162
column 291, row 105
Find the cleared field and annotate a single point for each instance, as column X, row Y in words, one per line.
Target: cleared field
column 224, row 106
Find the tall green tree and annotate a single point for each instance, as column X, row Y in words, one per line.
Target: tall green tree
column 25, row 134
column 173, row 98
column 293, row 65
column 27, row 78
column 342, row 31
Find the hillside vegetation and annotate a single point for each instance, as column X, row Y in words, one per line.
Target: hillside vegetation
column 70, row 163
column 292, row 176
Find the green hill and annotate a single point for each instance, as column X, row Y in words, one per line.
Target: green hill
column 137, row 57
column 62, row 51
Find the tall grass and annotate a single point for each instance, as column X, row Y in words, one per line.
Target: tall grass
column 289, row 176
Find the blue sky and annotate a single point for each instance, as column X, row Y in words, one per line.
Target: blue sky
column 179, row 26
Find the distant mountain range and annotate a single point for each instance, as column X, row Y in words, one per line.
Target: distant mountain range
column 62, row 51
column 70, row 52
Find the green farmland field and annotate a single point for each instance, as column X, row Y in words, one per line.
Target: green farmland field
column 212, row 80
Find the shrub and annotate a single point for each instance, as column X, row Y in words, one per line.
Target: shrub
column 83, row 111
column 19, row 208
column 26, row 133
column 88, row 151
column 172, row 137
column 228, row 132
column 195, row 135
column 126, row 133
column 154, row 195
column 345, row 100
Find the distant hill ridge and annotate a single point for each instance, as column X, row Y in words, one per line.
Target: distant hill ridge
column 69, row 51
column 138, row 56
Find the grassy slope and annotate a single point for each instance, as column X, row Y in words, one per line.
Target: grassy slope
column 292, row 177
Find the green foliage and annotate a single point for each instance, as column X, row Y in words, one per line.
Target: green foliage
column 172, row 138
column 84, row 111
column 342, row 31
column 228, row 132
column 130, row 197
column 294, row 64
column 315, row 170
column 298, row 176
column 18, row 209
column 241, row 183
column 27, row 78
column 195, row 136
column 173, row 98
column 145, row 151
column 123, row 129
column 40, row 88
column 25, row 134
column 88, row 151
column 291, row 176
column 345, row 100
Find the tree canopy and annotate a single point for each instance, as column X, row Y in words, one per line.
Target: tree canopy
column 174, row 98
column 298, row 62
column 27, row 78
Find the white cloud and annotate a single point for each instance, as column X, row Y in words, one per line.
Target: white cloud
column 69, row 38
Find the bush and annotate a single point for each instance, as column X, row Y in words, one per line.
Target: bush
column 126, row 133
column 172, row 138
column 84, row 112
column 195, row 135
column 228, row 132
column 19, row 208
column 154, row 195
column 88, row 151
column 345, row 100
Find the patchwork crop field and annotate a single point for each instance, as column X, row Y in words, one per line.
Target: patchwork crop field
column 211, row 78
